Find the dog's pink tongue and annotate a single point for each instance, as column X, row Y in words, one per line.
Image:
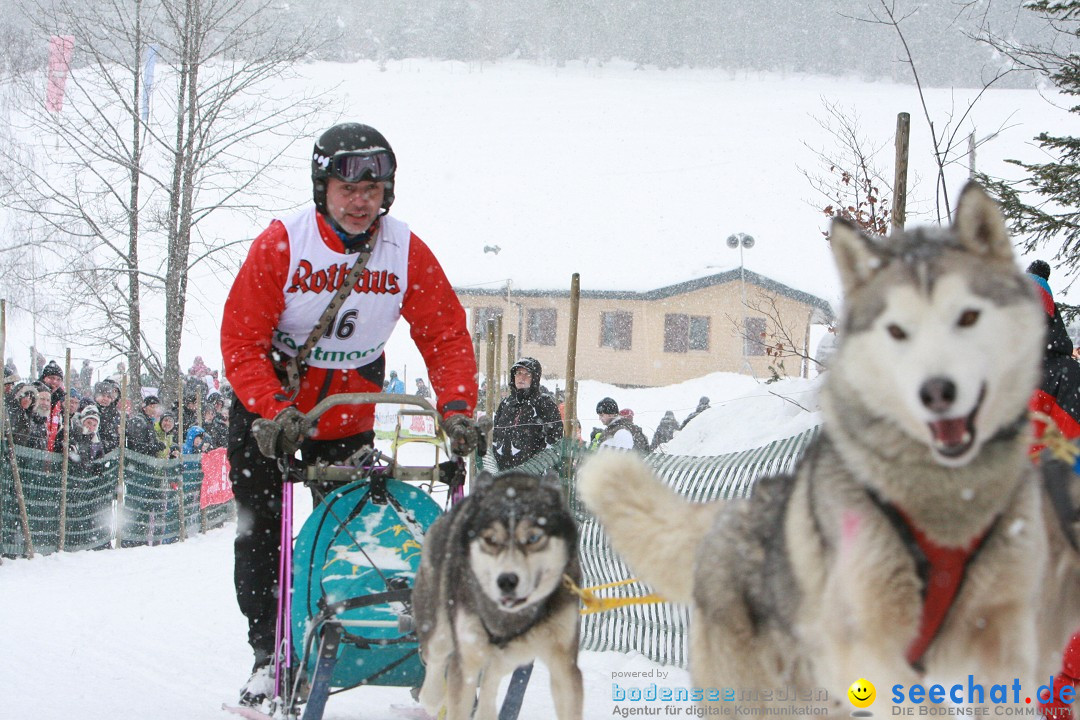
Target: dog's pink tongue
column 950, row 432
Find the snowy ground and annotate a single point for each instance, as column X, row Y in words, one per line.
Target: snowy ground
column 155, row 632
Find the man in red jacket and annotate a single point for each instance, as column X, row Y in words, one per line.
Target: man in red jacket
column 292, row 272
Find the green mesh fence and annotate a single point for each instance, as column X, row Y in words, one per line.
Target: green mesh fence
column 657, row 631
column 157, row 502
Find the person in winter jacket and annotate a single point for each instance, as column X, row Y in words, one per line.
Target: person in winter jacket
column 422, row 390
column 53, row 377
column 141, row 435
column 165, row 430
column 619, row 431
column 293, row 270
column 1058, row 394
column 194, row 441
column 394, row 384
column 25, row 430
column 217, row 430
column 527, row 420
column 107, row 399
column 86, row 446
column 665, row 431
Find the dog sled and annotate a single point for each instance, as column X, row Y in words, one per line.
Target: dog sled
column 345, row 582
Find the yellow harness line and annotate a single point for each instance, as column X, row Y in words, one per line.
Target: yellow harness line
column 594, row 604
column 1061, row 448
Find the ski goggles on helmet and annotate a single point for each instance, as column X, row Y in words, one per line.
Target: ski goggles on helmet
column 351, row 167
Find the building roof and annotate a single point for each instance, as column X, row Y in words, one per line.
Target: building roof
column 823, row 311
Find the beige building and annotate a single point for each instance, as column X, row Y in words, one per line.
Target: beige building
column 659, row 337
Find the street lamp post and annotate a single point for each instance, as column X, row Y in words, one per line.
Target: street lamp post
column 742, row 241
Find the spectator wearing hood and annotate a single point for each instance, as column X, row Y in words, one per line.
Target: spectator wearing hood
column 86, row 447
column 25, row 430
column 195, row 441
column 665, row 431
column 527, row 421
column 107, row 399
column 394, row 384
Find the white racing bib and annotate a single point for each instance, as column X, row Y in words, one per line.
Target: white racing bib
column 364, row 322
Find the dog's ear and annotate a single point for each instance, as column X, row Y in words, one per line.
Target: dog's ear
column 856, row 254
column 482, row 481
column 980, row 226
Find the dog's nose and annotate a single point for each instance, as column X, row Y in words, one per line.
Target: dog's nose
column 938, row 394
column 507, row 582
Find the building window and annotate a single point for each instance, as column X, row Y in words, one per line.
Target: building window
column 676, row 333
column 540, row 327
column 699, row 332
column 480, row 317
column 616, row 329
column 753, row 336
column 685, row 332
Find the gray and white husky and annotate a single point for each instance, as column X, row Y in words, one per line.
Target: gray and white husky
column 490, row 596
column 914, row 538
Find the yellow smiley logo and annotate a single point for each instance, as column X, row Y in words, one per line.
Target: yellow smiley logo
column 862, row 693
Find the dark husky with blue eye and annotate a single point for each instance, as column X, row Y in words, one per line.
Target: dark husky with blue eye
column 490, row 596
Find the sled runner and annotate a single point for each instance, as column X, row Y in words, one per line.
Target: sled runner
column 346, row 582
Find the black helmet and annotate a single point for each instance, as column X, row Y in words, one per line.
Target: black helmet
column 352, row 152
column 533, row 366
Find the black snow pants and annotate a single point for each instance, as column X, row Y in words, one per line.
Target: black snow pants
column 256, row 482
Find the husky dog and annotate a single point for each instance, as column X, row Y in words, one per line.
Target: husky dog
column 914, row 538
column 489, row 596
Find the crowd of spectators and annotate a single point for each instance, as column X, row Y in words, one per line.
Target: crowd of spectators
column 35, row 411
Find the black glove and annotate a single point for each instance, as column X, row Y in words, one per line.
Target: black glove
column 462, row 433
column 281, row 437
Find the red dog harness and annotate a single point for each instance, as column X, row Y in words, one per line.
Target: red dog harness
column 940, row 568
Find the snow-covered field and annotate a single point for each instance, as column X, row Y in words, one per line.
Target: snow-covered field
column 154, row 632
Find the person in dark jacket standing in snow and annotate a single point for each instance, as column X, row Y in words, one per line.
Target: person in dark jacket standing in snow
column 293, row 270
column 665, row 431
column 527, row 421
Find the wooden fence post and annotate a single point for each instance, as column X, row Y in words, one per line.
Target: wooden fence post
column 492, row 381
column 571, row 425
column 903, row 139
column 66, row 419
column 20, row 498
column 498, row 357
column 120, row 488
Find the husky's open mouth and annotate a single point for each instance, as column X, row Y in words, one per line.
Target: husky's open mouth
column 509, row 602
column 954, row 436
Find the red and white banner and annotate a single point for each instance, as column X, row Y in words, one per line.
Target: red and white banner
column 60, row 49
column 216, row 488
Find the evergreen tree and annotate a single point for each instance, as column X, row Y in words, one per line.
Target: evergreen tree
column 1044, row 207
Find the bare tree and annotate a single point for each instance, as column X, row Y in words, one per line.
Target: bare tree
column 950, row 138
column 125, row 185
column 779, row 339
column 853, row 187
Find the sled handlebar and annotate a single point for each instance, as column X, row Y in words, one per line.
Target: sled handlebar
column 376, row 398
